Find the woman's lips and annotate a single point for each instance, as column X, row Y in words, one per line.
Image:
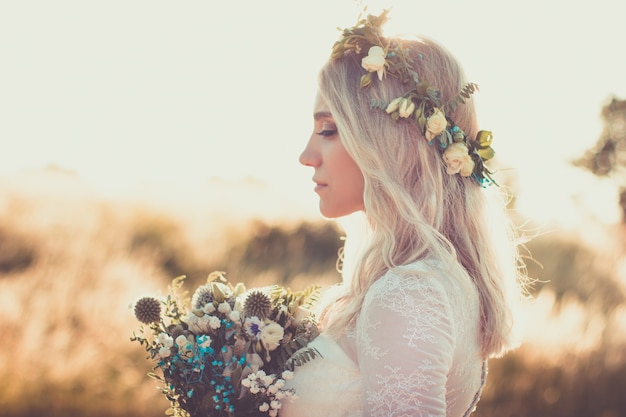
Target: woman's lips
column 319, row 185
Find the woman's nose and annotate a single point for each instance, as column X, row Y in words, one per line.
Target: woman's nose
column 309, row 156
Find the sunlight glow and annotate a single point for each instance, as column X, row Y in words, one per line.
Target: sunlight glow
column 162, row 101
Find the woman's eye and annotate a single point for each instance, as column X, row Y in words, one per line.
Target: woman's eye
column 326, row 132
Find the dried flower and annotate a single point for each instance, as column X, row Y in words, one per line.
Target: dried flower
column 208, row 293
column 148, row 310
column 202, row 297
column 257, row 305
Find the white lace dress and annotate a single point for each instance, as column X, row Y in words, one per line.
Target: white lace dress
column 414, row 351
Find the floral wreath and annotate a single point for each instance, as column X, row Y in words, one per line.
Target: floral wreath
column 421, row 102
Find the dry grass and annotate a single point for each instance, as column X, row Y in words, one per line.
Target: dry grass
column 72, row 263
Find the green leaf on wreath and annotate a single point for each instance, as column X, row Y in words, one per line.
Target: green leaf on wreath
column 484, row 138
column 366, row 80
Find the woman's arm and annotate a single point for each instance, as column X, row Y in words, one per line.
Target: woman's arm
column 405, row 345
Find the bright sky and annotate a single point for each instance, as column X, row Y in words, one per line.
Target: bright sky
column 170, row 94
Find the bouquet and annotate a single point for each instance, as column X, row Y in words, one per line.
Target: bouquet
column 226, row 351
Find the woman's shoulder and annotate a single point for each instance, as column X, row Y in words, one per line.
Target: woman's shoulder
column 424, row 279
column 417, row 275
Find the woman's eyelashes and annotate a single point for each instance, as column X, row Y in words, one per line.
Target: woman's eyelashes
column 326, row 132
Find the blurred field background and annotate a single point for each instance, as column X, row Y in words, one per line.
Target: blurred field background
column 141, row 140
column 72, row 262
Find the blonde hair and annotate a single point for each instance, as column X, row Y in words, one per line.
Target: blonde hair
column 414, row 208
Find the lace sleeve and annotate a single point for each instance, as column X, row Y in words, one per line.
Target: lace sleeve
column 405, row 347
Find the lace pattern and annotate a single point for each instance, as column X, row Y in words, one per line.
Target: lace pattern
column 417, row 353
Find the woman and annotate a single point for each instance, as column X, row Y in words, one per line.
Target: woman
column 427, row 284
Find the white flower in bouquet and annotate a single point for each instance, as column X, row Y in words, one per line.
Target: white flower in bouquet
column 165, row 340
column 224, row 308
column 271, row 335
column 198, row 324
column 234, row 316
column 208, row 308
column 164, row 352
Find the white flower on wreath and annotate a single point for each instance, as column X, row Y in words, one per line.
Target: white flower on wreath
column 375, row 61
column 457, row 159
column 436, row 124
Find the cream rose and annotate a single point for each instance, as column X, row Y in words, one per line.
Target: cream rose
column 271, row 335
column 458, row 160
column 436, row 124
column 375, row 61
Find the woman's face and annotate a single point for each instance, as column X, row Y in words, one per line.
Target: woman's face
column 338, row 180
